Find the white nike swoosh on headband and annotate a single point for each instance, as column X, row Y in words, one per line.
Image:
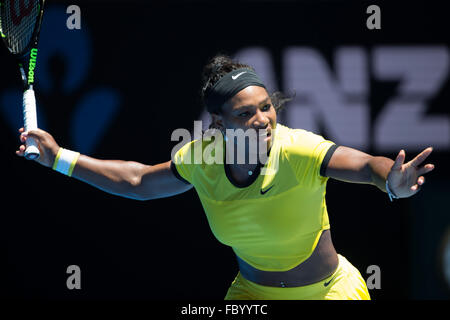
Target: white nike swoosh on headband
column 238, row 75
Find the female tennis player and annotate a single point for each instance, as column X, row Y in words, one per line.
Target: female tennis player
column 273, row 213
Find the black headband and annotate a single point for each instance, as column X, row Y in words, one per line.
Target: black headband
column 228, row 86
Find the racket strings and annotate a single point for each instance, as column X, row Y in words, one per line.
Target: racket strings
column 17, row 23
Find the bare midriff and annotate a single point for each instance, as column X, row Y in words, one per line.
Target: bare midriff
column 322, row 263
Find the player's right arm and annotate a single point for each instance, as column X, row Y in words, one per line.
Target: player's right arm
column 128, row 179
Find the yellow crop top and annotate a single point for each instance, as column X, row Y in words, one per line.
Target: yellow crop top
column 274, row 223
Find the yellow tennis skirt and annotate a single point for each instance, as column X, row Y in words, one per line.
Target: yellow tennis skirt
column 346, row 284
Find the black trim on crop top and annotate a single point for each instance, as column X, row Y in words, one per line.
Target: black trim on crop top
column 248, row 182
column 177, row 174
column 326, row 159
column 252, row 178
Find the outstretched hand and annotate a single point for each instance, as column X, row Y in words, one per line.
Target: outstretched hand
column 405, row 179
column 46, row 144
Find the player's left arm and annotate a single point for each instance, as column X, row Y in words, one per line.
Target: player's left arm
column 351, row 165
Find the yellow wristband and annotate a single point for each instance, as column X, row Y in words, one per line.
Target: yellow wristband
column 72, row 165
column 65, row 161
column 58, row 155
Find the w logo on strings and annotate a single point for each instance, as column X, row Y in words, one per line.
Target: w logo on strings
column 24, row 10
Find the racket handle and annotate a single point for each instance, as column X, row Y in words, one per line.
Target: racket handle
column 30, row 123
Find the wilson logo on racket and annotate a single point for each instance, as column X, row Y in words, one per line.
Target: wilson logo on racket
column 32, row 65
column 24, row 11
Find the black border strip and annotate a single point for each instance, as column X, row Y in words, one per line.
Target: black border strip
column 326, row 159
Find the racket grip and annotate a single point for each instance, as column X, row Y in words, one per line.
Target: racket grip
column 30, row 123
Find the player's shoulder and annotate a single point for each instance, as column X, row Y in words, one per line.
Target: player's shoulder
column 191, row 152
column 297, row 138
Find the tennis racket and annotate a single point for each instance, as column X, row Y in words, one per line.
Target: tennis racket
column 20, row 23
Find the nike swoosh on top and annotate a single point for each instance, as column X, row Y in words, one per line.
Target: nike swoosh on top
column 328, row 282
column 263, row 192
column 238, row 75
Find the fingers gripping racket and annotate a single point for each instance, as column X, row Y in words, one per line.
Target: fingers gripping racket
column 20, row 23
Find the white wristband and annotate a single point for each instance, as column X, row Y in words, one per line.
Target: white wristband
column 390, row 193
column 65, row 161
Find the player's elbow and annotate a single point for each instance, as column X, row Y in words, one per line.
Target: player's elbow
column 133, row 180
